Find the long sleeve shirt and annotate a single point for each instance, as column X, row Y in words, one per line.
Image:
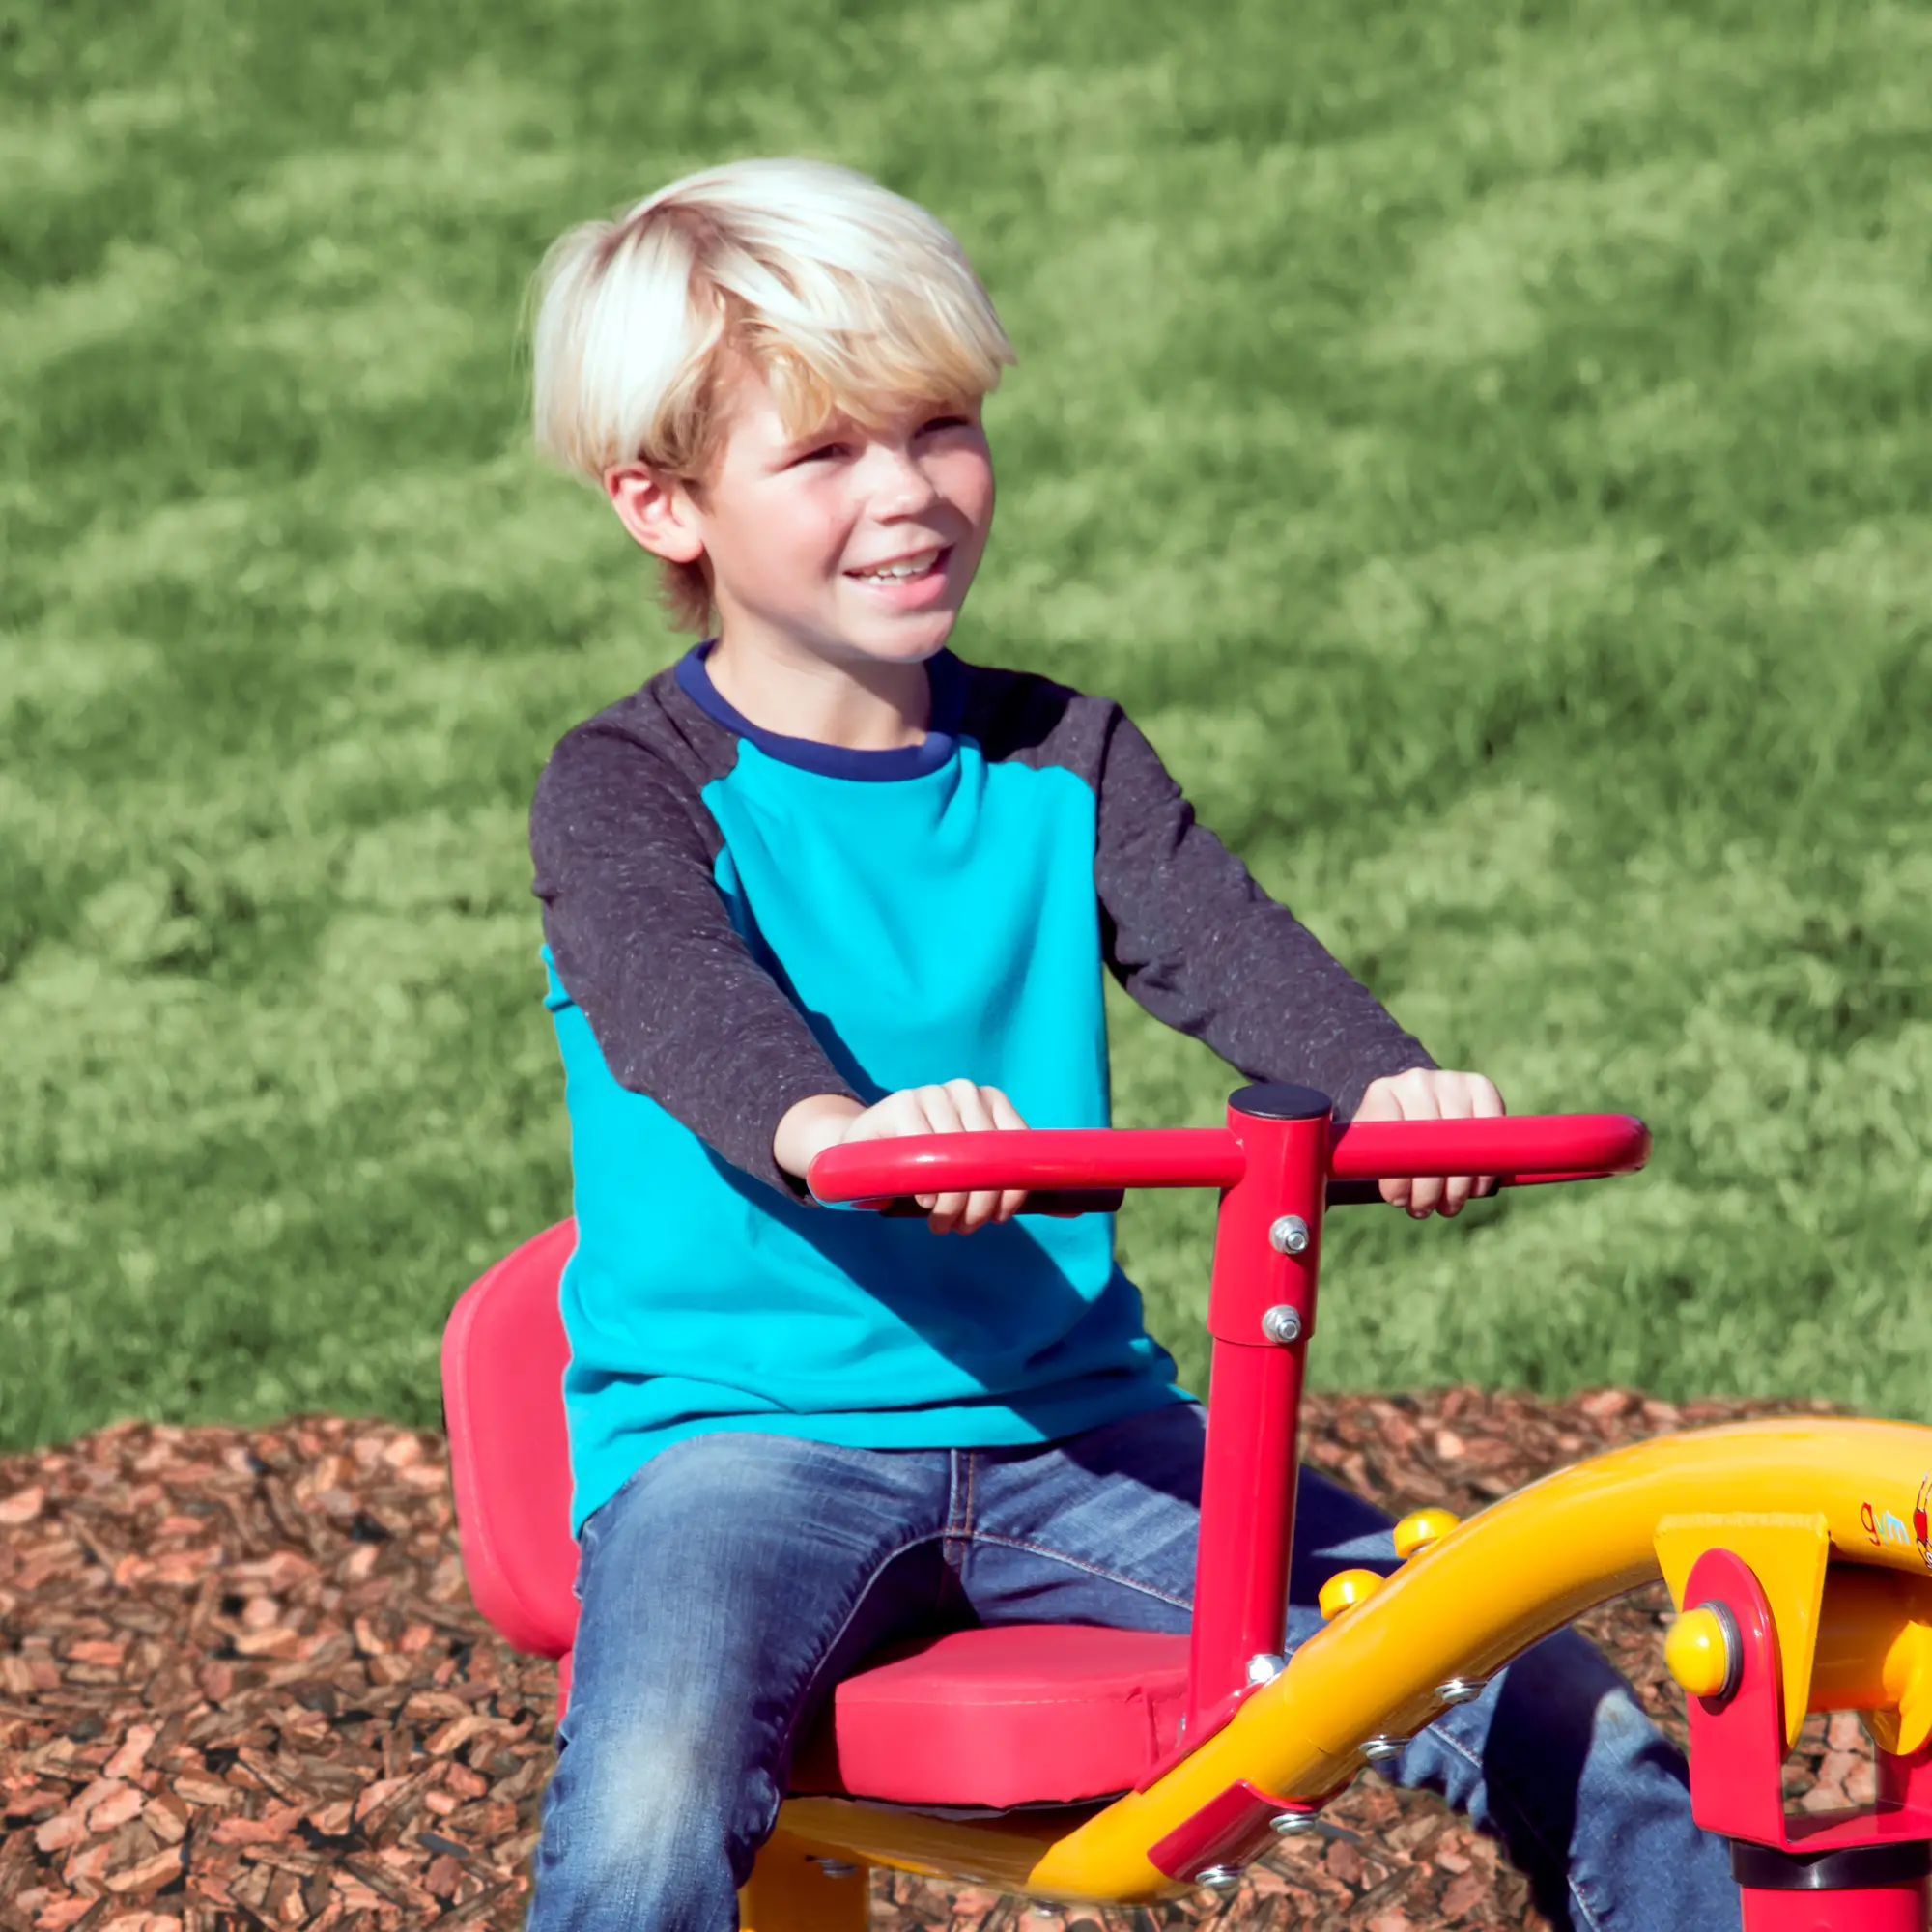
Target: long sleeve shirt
column 736, row 920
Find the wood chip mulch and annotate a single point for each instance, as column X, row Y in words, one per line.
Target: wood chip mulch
column 242, row 1685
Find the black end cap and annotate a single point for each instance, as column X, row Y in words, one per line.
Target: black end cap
column 1270, row 1101
column 1855, row 1868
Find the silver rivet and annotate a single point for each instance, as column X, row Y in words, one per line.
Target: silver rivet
column 1290, row 1824
column 1282, row 1323
column 1461, row 1690
column 1379, row 1751
column 1221, row 1877
column 1265, row 1666
column 835, row 1867
column 1288, row 1235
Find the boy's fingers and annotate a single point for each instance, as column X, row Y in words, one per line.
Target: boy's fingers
column 1455, row 1102
column 1005, row 1117
column 976, row 1117
column 1419, row 1104
column 1487, row 1105
column 938, row 1115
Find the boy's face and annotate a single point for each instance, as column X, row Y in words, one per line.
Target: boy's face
column 850, row 544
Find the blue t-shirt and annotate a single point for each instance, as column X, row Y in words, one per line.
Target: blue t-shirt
column 737, row 920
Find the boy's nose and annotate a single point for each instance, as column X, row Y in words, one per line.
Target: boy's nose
column 899, row 486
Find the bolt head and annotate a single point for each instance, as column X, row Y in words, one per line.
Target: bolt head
column 1461, row 1690
column 1265, row 1666
column 1291, row 1824
column 1282, row 1323
column 1221, row 1877
column 1379, row 1751
column 1288, row 1235
column 835, row 1867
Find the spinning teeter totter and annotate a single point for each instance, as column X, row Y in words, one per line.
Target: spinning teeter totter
column 1072, row 1764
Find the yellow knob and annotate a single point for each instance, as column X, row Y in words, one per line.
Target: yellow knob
column 1419, row 1530
column 1697, row 1651
column 1344, row 1590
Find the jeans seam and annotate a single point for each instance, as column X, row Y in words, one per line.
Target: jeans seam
column 1570, row 1884
column 857, row 1604
column 1079, row 1563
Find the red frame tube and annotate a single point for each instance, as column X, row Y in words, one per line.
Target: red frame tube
column 1254, row 1415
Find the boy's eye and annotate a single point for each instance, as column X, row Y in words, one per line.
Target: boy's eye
column 823, row 452
column 946, row 422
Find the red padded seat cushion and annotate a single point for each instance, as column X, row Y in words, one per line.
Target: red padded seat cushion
column 1031, row 1713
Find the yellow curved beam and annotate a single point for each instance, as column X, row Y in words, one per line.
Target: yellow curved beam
column 1461, row 1607
column 1467, row 1603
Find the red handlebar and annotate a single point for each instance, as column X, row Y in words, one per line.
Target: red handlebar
column 1525, row 1151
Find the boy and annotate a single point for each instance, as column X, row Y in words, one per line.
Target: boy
column 822, row 881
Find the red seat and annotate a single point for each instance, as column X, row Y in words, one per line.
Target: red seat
column 1028, row 1715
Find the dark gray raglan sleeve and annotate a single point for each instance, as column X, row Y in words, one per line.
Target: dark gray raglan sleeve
column 1200, row 946
column 681, row 1010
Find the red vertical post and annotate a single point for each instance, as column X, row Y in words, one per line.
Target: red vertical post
column 1261, row 1313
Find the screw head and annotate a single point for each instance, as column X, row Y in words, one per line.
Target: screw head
column 1291, row 1824
column 1282, row 1323
column 1221, row 1877
column 1461, row 1690
column 1379, row 1751
column 835, row 1867
column 1265, row 1666
column 1288, row 1235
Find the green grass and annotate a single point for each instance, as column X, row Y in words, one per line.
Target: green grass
column 1485, row 445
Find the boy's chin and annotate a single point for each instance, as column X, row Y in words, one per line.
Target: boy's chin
column 909, row 643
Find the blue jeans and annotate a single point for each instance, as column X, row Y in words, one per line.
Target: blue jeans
column 735, row 1577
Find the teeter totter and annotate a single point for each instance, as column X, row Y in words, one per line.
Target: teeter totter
column 1074, row 1764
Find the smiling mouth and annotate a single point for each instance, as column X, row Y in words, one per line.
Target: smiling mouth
column 904, row 569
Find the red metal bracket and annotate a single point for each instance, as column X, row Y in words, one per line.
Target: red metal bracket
column 1737, row 1759
column 1229, row 1830
column 1737, row 1743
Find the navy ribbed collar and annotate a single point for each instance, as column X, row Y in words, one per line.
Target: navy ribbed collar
column 836, row 761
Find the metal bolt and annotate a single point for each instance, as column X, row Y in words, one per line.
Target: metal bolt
column 1221, row 1877
column 1282, row 1323
column 835, row 1867
column 1288, row 1235
column 1265, row 1666
column 1461, row 1690
column 1379, row 1751
column 1291, row 1824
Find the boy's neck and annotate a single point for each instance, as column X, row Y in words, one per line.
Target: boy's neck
column 859, row 705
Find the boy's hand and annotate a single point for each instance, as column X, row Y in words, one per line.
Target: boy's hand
column 959, row 1107
column 1425, row 1093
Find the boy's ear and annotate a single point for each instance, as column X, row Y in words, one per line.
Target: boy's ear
column 655, row 510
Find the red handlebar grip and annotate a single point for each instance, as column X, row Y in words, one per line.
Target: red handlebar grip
column 1529, row 1148
column 1031, row 1158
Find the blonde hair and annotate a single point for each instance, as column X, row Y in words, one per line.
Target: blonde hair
column 845, row 296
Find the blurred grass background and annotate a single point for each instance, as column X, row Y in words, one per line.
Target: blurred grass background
column 1485, row 445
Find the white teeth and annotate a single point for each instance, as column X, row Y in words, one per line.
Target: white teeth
column 895, row 572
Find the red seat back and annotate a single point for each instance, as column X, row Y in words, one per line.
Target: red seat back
column 981, row 1718
column 503, row 1357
